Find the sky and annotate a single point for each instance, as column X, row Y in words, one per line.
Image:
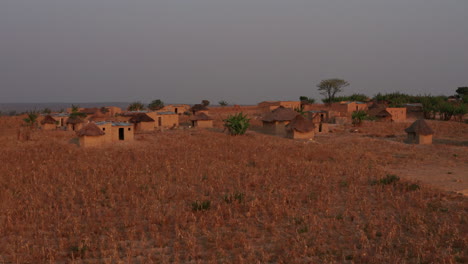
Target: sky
column 242, row 51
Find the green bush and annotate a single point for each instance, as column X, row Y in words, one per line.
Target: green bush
column 237, row 124
column 201, row 206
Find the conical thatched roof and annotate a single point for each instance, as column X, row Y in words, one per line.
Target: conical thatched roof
column 301, row 124
column 138, row 118
column 49, row 120
column 90, row 129
column 420, row 127
column 280, row 114
column 74, row 120
column 200, row 116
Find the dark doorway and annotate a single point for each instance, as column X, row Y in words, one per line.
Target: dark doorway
column 159, row 121
column 176, row 110
column 121, row 134
column 61, row 122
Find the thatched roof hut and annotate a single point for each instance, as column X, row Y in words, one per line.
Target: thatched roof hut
column 200, row 116
column 141, row 117
column 280, row 114
column 301, row 124
column 90, row 129
column 420, row 127
column 74, row 120
column 49, row 120
column 198, row 107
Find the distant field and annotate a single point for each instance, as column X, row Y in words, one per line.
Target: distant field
column 199, row 196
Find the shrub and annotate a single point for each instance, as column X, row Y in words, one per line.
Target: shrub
column 223, row 103
column 237, row 124
column 201, row 206
column 358, row 117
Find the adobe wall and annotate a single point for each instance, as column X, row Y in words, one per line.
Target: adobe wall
column 49, row 126
column 398, row 113
column 424, row 139
column 300, row 135
column 92, row 141
column 204, row 123
column 128, row 133
column 169, row 121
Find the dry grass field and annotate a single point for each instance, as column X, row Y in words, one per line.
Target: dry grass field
column 201, row 196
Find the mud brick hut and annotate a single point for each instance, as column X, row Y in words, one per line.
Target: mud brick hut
column 142, row 122
column 75, row 123
column 202, row 120
column 91, row 136
column 275, row 121
column 49, row 123
column 300, row 128
column 419, row 133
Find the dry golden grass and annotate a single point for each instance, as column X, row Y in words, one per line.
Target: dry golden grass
column 271, row 200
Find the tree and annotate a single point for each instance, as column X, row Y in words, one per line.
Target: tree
column 136, row 106
column 237, row 124
column 104, row 110
column 462, row 91
column 306, row 100
column 205, row 102
column 223, row 103
column 156, row 105
column 46, row 111
column 76, row 113
column 358, row 117
column 330, row 87
column 31, row 120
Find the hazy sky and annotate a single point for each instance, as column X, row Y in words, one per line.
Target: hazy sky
column 242, row 51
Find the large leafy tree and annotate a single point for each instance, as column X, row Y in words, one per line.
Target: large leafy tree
column 330, row 87
column 136, row 106
column 156, row 105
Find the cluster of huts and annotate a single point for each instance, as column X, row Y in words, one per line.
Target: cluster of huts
column 281, row 118
column 97, row 126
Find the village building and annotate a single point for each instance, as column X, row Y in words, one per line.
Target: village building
column 320, row 118
column 167, row 119
column 300, row 128
column 268, row 106
column 275, row 121
column 176, row 108
column 74, row 123
column 398, row 113
column 383, row 115
column 91, row 136
column 142, row 122
column 419, row 133
column 49, row 123
column 201, row 120
column 199, row 108
column 60, row 118
column 347, row 108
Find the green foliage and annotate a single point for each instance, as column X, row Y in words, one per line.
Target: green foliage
column 201, row 206
column 46, row 111
column 156, row 105
column 136, row 106
column 461, row 91
column 205, row 102
column 31, row 120
column 359, row 116
column 75, row 112
column 388, row 179
column 237, row 124
column 300, row 110
column 306, row 100
column 223, row 103
column 413, row 187
column 237, row 196
column 330, row 87
column 353, row 97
